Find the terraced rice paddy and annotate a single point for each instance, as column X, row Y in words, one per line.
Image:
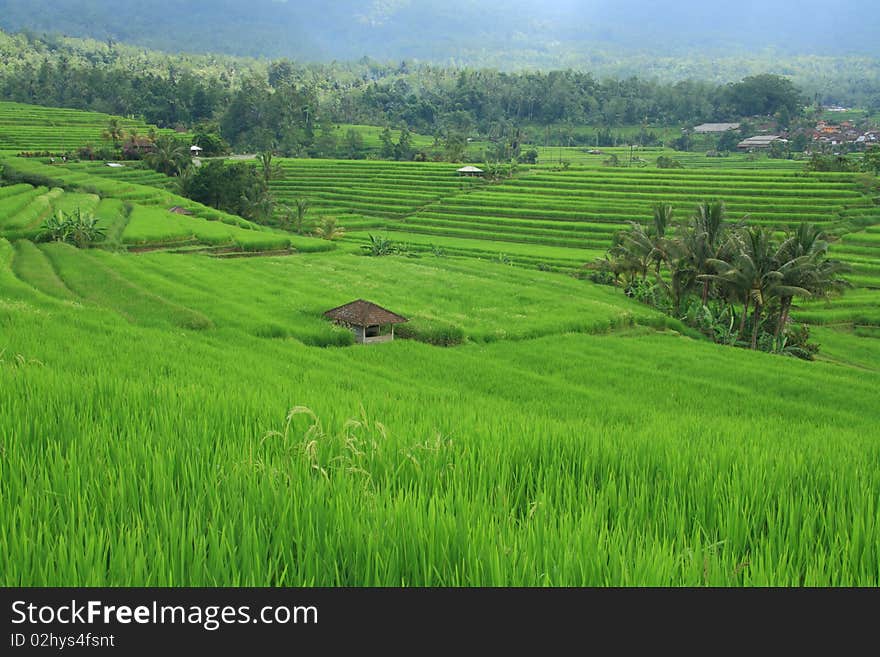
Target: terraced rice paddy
column 134, row 215
column 31, row 128
column 571, row 436
column 131, row 172
column 510, row 462
column 369, row 189
column 860, row 307
column 589, row 206
column 559, row 219
column 646, row 158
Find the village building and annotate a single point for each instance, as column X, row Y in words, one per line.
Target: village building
column 366, row 320
column 137, row 147
column 838, row 134
column 759, row 141
column 470, row 171
column 712, row 128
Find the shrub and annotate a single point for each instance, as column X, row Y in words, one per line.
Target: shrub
column 78, row 228
column 328, row 229
column 664, row 162
column 529, row 157
column 380, row 246
column 796, row 342
column 195, row 321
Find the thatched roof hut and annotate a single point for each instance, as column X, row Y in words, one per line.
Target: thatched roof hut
column 366, row 319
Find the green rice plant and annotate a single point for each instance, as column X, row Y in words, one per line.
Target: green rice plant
column 31, row 266
column 210, row 427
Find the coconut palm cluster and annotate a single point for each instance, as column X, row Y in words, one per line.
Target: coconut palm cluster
column 735, row 282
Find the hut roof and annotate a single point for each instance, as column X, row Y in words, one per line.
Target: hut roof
column 760, row 141
column 364, row 313
column 470, row 169
column 716, row 127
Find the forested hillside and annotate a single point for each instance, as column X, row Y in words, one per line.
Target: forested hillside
column 519, row 32
column 288, row 105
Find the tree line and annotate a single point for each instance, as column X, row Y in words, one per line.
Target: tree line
column 293, row 107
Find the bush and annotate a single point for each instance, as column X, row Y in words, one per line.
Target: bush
column 829, row 163
column 380, row 246
column 529, row 157
column 602, row 277
column 797, row 343
column 194, row 321
column 664, row 162
column 78, row 228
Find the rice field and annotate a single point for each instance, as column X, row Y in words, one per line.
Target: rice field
column 645, row 158
column 544, row 217
column 558, row 218
column 171, row 419
column 134, row 215
column 31, row 128
column 146, row 455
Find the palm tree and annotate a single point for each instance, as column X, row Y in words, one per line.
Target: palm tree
column 804, row 264
column 256, row 204
column 169, row 157
column 269, row 169
column 302, row 208
column 293, row 218
column 754, row 268
column 611, row 266
column 114, row 132
column 637, row 248
column 708, row 226
column 662, row 246
column 663, row 215
column 184, row 179
column 798, row 258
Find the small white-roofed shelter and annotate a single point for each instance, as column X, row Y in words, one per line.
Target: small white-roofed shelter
column 711, row 128
column 759, row 141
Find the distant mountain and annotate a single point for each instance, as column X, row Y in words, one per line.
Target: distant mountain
column 508, row 35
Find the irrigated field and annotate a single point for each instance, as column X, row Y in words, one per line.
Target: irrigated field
column 134, row 215
column 646, row 157
column 138, row 393
column 172, row 419
column 32, row 128
column 558, row 219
